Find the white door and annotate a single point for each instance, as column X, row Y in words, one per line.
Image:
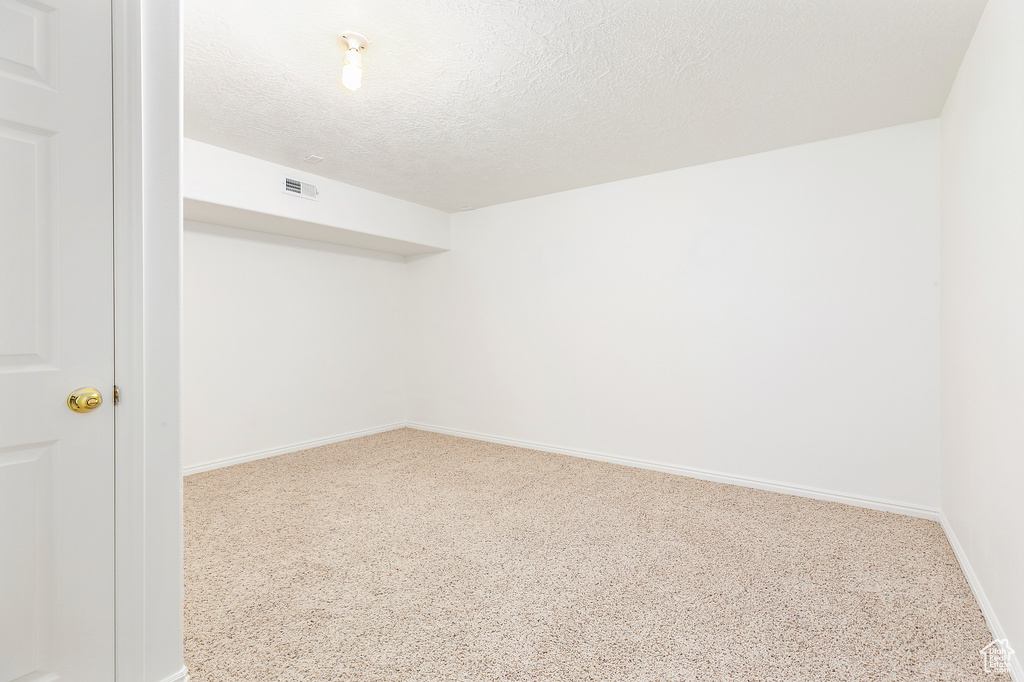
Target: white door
column 56, row 335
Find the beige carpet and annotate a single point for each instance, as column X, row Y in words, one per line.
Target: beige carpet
column 415, row 556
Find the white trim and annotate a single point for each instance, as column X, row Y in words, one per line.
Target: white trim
column 146, row 38
column 180, row 676
column 704, row 474
column 1016, row 670
column 129, row 427
column 273, row 452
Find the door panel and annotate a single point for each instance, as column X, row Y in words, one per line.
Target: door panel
column 56, row 335
column 26, row 481
column 27, row 41
column 26, row 247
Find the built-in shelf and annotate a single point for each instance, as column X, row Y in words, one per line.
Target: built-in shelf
column 223, row 187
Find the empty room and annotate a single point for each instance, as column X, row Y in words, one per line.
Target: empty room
column 652, row 340
column 587, row 340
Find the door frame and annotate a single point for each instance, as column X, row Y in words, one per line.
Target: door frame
column 147, row 131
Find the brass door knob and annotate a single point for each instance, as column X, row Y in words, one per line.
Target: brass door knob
column 84, row 399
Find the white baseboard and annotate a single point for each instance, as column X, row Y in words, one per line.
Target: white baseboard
column 261, row 454
column 703, row 474
column 180, row 676
column 1016, row 670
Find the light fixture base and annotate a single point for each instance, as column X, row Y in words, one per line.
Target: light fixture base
column 353, row 40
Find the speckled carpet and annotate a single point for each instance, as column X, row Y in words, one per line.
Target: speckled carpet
column 410, row 555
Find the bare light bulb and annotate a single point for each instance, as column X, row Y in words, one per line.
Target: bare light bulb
column 352, row 68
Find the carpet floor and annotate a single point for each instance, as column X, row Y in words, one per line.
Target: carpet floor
column 410, row 555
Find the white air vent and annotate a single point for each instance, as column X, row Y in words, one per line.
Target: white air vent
column 298, row 188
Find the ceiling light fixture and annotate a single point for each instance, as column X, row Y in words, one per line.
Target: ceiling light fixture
column 352, row 71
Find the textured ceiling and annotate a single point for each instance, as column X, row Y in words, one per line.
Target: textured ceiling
column 468, row 103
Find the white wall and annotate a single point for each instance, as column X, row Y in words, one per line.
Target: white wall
column 983, row 311
column 774, row 316
column 286, row 342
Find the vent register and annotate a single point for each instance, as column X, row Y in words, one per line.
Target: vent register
column 297, row 188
